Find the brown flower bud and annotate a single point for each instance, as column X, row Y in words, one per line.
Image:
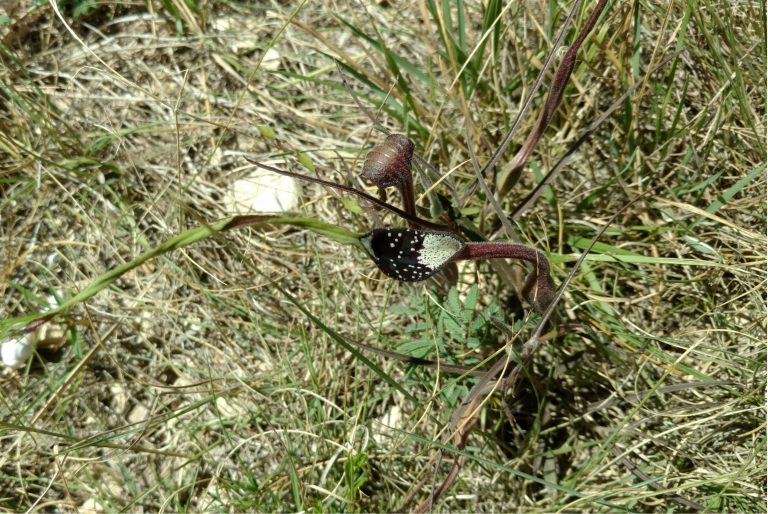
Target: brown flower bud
column 389, row 163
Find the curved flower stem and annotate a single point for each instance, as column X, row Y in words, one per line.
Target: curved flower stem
column 555, row 95
column 409, row 199
column 411, row 219
column 538, row 290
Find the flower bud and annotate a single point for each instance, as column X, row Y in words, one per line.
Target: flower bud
column 389, row 163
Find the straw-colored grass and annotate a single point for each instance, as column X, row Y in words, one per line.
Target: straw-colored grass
column 219, row 376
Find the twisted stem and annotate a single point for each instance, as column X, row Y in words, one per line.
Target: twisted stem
column 539, row 289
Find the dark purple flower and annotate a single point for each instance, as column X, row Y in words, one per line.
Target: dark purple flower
column 411, row 255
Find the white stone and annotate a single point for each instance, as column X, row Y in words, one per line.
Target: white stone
column 15, row 352
column 384, row 428
column 271, row 60
column 263, row 191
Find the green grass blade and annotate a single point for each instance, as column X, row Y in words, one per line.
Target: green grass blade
column 182, row 240
column 738, row 186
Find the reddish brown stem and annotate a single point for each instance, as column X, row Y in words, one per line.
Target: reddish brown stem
column 556, row 90
column 538, row 290
column 411, row 219
column 409, row 199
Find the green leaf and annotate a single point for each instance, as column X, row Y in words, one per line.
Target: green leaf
column 471, row 301
column 598, row 247
column 295, row 485
column 477, row 324
column 400, row 62
column 731, row 191
column 418, row 348
column 636, row 259
column 338, row 234
column 351, row 205
column 186, row 238
column 267, row 131
column 453, row 304
column 305, row 161
column 83, row 7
